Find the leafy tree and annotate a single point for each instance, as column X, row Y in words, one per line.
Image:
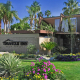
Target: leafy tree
column 47, row 13
column 20, row 26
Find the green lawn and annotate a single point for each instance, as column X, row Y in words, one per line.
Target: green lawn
column 70, row 69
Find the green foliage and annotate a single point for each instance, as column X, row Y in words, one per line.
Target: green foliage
column 48, row 13
column 31, row 49
column 10, row 63
column 20, row 26
column 49, row 45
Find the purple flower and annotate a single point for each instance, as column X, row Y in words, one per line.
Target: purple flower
column 33, row 69
column 34, row 72
column 38, row 73
column 42, row 65
column 45, row 76
column 44, row 70
column 30, row 71
column 48, row 69
column 38, row 69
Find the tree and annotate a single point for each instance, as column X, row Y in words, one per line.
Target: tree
column 40, row 14
column 36, row 9
column 33, row 10
column 71, row 9
column 8, row 15
column 31, row 15
column 47, row 13
column 1, row 13
column 20, row 26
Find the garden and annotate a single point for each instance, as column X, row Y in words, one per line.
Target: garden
column 30, row 66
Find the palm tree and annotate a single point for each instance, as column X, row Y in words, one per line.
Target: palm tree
column 70, row 9
column 8, row 15
column 48, row 13
column 35, row 7
column 40, row 14
column 31, row 15
column 1, row 14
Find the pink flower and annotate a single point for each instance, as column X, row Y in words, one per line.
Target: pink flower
column 38, row 69
column 48, row 69
column 45, row 76
column 56, row 70
column 42, row 65
column 44, row 70
column 33, row 69
column 30, row 71
column 34, row 72
column 38, row 73
column 32, row 64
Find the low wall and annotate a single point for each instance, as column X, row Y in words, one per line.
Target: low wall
column 18, row 38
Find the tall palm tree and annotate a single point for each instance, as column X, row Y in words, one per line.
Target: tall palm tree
column 71, row 9
column 1, row 13
column 40, row 14
column 35, row 7
column 8, row 15
column 47, row 13
column 31, row 15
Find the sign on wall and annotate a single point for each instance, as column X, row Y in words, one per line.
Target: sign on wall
column 11, row 42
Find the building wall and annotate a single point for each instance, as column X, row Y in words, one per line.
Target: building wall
column 78, row 24
column 31, row 38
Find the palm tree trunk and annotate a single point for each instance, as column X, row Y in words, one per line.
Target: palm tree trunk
column 35, row 20
column 9, row 27
column 0, row 26
column 4, row 27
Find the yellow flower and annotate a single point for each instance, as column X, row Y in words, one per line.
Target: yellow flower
column 29, row 79
column 28, row 75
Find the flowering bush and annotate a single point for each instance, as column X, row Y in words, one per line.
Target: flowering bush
column 68, row 57
column 44, row 70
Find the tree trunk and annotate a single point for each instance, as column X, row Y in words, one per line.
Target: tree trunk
column 0, row 26
column 9, row 27
column 49, row 52
column 4, row 27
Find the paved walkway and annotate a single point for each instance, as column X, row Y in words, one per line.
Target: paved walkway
column 4, row 52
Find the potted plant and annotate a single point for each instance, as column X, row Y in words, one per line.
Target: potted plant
column 49, row 46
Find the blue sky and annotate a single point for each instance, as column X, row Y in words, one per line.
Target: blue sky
column 55, row 6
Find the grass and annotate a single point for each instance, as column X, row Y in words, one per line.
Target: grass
column 70, row 69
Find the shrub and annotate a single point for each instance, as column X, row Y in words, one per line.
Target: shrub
column 48, row 45
column 68, row 57
column 43, row 70
column 9, row 63
column 31, row 49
